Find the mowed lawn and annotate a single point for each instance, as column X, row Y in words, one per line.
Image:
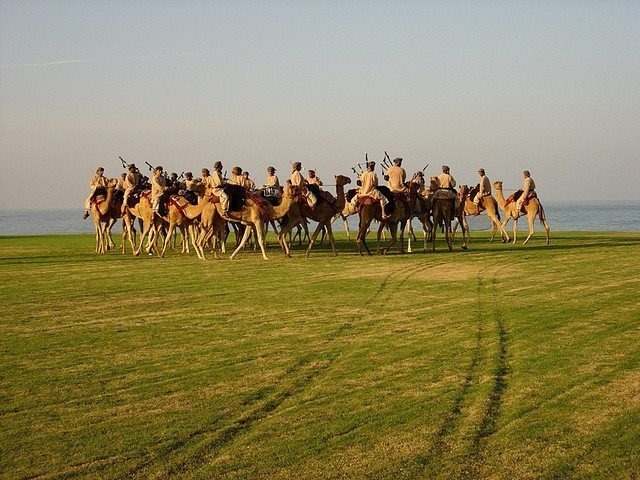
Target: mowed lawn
column 497, row 362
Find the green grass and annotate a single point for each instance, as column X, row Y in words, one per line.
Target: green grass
column 502, row 361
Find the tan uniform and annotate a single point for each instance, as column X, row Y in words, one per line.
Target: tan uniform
column 485, row 189
column 158, row 186
column 96, row 182
column 272, row 181
column 190, row 184
column 397, row 177
column 368, row 184
column 528, row 187
column 236, row 180
column 314, row 181
column 131, row 181
column 446, row 181
column 216, row 183
column 296, row 181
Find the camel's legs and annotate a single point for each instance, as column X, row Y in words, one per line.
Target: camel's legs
column 247, row 232
column 96, row 225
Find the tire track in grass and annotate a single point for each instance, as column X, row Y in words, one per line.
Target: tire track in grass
column 433, row 460
column 300, row 376
column 487, row 425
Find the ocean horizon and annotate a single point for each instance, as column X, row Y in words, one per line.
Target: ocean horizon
column 618, row 216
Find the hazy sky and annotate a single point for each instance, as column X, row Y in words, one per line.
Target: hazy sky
column 553, row 87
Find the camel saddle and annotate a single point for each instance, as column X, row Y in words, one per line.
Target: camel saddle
column 321, row 195
column 445, row 194
column 237, row 195
column 514, row 197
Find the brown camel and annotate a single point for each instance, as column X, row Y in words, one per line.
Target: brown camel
column 323, row 213
column 151, row 223
column 100, row 213
column 488, row 204
column 254, row 215
column 346, row 212
column 182, row 214
column 443, row 211
column 532, row 208
column 370, row 210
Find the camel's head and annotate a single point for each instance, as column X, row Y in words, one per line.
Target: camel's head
column 433, row 183
column 112, row 183
column 341, row 180
column 463, row 189
column 497, row 184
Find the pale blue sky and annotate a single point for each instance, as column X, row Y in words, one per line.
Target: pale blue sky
column 553, row 87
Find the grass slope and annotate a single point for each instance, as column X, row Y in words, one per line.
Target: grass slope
column 501, row 361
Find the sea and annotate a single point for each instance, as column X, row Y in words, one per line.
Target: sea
column 561, row 216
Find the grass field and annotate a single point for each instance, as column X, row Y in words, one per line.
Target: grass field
column 499, row 362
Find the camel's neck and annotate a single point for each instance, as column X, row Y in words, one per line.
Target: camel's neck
column 500, row 197
column 192, row 211
column 282, row 209
column 340, row 199
column 103, row 208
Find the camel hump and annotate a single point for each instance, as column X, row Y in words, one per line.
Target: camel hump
column 350, row 194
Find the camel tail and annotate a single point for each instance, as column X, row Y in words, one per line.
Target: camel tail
column 541, row 214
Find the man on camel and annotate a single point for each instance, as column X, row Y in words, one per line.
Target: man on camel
column 528, row 190
column 368, row 182
column 248, row 183
column 485, row 187
column 158, row 187
column 272, row 180
column 312, row 179
column 131, row 182
column 97, row 181
column 396, row 176
column 216, row 183
column 297, row 180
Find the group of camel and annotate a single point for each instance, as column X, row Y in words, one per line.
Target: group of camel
column 206, row 227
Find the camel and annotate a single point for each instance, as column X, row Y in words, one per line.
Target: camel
column 150, row 221
column 182, row 214
column 347, row 211
column 370, row 210
column 422, row 211
column 532, row 208
column 323, row 213
column 488, row 204
column 100, row 213
column 254, row 214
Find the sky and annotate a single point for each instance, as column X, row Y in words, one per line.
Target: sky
column 548, row 86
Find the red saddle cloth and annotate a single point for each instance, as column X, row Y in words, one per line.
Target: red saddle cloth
column 262, row 204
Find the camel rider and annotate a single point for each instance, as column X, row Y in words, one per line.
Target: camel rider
column 190, row 182
column 131, row 182
column 248, row 183
column 97, row 181
column 312, row 179
column 297, row 180
column 188, row 187
column 396, row 176
column 446, row 184
column 418, row 179
column 445, row 180
column 485, row 187
column 236, row 177
column 158, row 187
column 528, row 189
column 272, row 180
column 368, row 182
column 216, row 183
